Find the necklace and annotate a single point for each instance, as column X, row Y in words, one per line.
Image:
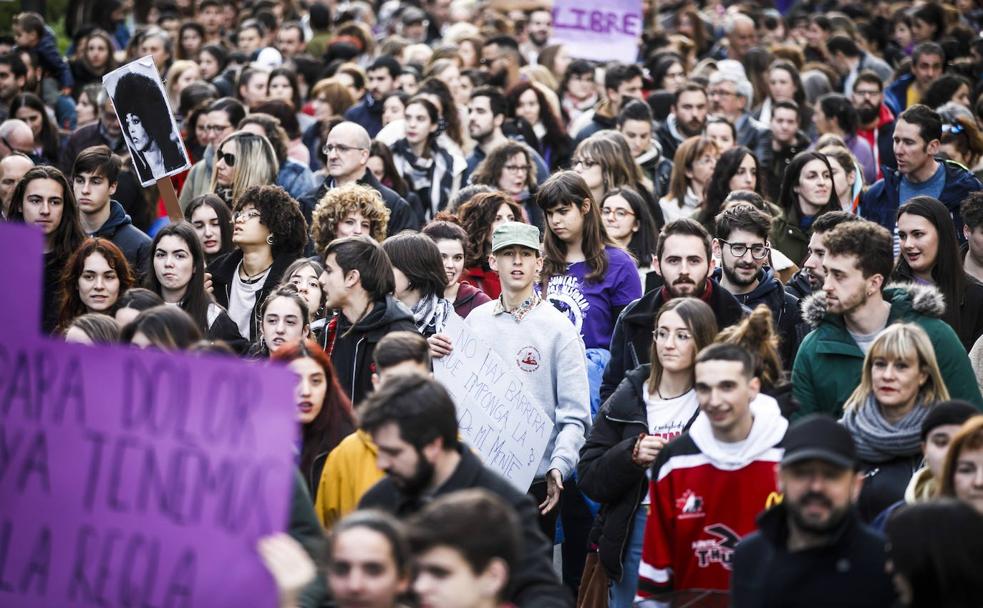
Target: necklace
column 659, row 393
column 249, row 279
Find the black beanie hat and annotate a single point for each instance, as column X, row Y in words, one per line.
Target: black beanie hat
column 947, row 412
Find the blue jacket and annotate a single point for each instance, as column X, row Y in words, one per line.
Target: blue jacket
column 367, row 113
column 296, row 178
column 52, row 61
column 132, row 241
column 880, row 203
column 896, row 94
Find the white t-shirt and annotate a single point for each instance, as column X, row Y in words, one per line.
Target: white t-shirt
column 242, row 299
column 668, row 417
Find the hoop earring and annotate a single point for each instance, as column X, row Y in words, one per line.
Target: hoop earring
column 269, row 240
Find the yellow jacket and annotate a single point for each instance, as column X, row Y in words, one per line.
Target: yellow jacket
column 349, row 472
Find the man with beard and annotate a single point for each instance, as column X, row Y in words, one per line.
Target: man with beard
column 381, row 79
column 684, row 262
column 413, row 423
column 539, row 30
column 810, row 276
column 743, row 250
column 852, row 309
column 622, row 81
column 812, row 549
column 500, row 59
column 876, row 121
column 13, row 78
column 486, row 115
column 687, row 118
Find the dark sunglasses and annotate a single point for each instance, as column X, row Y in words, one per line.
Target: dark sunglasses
column 230, row 159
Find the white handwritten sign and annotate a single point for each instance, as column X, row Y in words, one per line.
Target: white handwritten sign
column 495, row 414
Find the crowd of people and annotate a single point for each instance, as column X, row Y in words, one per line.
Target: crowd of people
column 740, row 272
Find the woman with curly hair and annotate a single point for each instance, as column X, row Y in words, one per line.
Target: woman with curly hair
column 527, row 100
column 351, row 210
column 509, row 167
column 479, row 217
column 242, row 160
column 147, row 127
column 269, row 232
column 43, row 198
column 93, row 280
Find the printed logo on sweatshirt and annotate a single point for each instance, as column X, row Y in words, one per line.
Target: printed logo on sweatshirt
column 690, row 505
column 719, row 550
column 528, row 359
column 565, row 295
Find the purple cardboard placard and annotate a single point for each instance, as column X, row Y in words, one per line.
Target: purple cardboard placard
column 609, row 31
column 136, row 477
column 21, row 276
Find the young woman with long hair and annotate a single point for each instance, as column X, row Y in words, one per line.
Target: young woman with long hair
column 692, row 167
column 479, row 217
column 510, row 168
column 807, row 193
column 212, row 220
column 736, row 169
column 283, row 319
column 304, row 276
column 420, row 280
column 605, row 162
column 430, row 171
column 848, row 177
column 242, row 160
column 653, row 404
column 166, row 328
column 95, row 276
column 452, row 242
column 930, row 255
column 44, row 198
column 630, row 225
column 899, row 384
column 93, row 59
column 92, row 328
column 178, row 277
column 527, row 100
column 585, row 275
column 132, row 302
column 29, row 108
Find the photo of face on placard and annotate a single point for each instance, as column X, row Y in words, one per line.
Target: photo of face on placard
column 146, row 120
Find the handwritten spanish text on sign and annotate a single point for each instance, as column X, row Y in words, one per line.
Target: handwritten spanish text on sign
column 609, row 31
column 136, row 478
column 496, row 416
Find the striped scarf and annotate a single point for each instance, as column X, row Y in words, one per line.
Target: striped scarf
column 877, row 439
column 432, row 178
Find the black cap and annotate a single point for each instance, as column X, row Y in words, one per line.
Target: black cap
column 947, row 412
column 818, row 437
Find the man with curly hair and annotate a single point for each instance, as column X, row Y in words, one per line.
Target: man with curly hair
column 347, row 153
column 147, row 126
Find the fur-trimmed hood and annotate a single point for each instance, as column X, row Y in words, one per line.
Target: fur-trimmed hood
column 923, row 299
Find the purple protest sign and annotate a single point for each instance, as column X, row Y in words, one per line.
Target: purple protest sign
column 20, row 314
column 137, row 478
column 607, row 32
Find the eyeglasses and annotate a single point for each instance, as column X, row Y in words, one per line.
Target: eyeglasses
column 216, row 128
column 866, row 93
column 586, row 163
column 758, row 251
column 245, row 215
column 517, row 168
column 341, row 148
column 229, row 159
column 720, row 93
column 618, row 213
column 706, row 160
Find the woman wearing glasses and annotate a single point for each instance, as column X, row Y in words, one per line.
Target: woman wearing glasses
column 509, row 168
column 630, row 225
column 269, row 232
column 807, row 192
column 242, row 160
column 605, row 162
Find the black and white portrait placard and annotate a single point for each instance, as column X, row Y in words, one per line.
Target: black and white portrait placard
column 145, row 117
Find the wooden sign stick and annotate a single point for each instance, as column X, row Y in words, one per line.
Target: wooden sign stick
column 169, row 195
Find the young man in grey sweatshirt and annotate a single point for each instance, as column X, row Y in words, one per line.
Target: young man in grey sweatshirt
column 547, row 352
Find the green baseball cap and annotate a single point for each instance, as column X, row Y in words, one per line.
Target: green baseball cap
column 515, row 233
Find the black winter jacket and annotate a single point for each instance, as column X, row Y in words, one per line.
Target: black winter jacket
column 223, row 271
column 606, row 472
column 352, row 349
column 132, row 241
column 885, row 484
column 632, row 337
column 964, row 316
column 847, row 573
column 533, row 584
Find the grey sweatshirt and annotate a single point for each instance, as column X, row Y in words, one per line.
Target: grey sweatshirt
column 549, row 358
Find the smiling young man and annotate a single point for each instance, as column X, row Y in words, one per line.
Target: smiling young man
column 95, row 175
column 917, row 138
column 813, row 544
column 710, row 483
column 852, row 309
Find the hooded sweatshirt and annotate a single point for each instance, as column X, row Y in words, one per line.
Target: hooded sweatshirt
column 352, row 348
column 132, row 241
column 705, row 496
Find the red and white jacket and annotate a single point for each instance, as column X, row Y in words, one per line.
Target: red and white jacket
column 705, row 496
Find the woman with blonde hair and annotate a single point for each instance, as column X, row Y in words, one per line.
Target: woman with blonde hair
column 351, row 210
column 243, row 160
column 692, row 167
column 181, row 73
column 899, row 385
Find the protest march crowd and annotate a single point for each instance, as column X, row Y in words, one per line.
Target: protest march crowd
column 737, row 275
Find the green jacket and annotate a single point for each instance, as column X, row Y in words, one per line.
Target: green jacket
column 829, row 363
column 787, row 237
